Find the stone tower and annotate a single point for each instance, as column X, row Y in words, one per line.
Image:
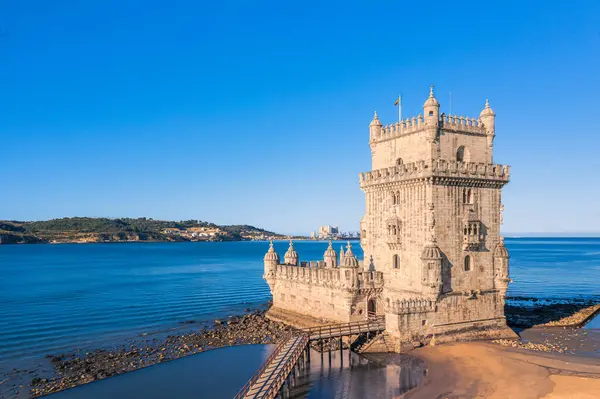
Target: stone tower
column 436, row 265
column 432, row 222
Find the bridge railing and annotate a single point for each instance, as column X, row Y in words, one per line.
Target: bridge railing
column 262, row 368
column 355, row 327
column 276, row 383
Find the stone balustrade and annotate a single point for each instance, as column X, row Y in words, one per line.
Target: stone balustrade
column 436, row 168
column 412, row 305
column 315, row 273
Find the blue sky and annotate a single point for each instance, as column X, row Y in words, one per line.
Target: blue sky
column 258, row 112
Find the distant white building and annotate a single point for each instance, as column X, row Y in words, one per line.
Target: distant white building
column 327, row 232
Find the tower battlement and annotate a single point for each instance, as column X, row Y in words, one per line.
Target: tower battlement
column 417, row 125
column 440, row 168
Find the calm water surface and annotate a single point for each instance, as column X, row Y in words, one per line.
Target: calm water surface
column 56, row 298
column 219, row 374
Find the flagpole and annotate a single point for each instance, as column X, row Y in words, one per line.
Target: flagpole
column 400, row 108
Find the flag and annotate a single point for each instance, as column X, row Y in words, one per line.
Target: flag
column 397, row 101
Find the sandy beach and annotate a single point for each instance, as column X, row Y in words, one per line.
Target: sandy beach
column 487, row 370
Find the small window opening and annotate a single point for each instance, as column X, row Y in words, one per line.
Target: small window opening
column 430, row 113
column 467, row 263
column 396, row 262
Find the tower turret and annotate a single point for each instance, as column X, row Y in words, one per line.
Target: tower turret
column 271, row 261
column 291, row 256
column 330, row 256
column 488, row 118
column 349, row 258
column 431, row 108
column 375, row 127
column 431, row 261
column 501, row 273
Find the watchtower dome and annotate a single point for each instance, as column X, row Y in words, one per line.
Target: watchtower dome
column 431, row 109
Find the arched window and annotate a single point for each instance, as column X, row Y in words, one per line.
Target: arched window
column 394, row 199
column 464, row 196
column 470, row 196
column 399, row 161
column 462, row 154
column 467, row 263
column 396, row 262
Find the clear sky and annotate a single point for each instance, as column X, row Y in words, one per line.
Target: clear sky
column 258, row 112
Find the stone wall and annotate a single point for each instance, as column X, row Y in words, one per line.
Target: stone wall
column 337, row 294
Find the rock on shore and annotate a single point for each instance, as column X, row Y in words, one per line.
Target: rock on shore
column 73, row 370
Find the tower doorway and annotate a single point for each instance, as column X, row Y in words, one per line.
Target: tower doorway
column 371, row 308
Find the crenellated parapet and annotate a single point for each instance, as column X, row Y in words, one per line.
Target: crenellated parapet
column 414, row 125
column 437, row 168
column 462, row 124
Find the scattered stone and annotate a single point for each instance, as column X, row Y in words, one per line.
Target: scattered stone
column 77, row 368
column 530, row 345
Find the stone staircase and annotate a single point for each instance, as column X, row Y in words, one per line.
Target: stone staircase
column 380, row 343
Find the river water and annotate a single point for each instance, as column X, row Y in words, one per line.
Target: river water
column 58, row 298
column 219, row 374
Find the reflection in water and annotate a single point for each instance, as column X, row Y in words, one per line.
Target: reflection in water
column 349, row 375
column 221, row 373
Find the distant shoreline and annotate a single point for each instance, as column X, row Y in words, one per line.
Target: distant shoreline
column 85, row 230
column 181, row 241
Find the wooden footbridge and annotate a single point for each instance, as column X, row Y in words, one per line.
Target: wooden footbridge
column 278, row 373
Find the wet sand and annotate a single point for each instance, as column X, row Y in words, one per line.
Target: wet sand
column 486, row 370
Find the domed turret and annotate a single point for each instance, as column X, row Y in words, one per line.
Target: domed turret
column 501, row 251
column 431, row 252
column 431, row 108
column 349, row 258
column 271, row 262
column 431, row 100
column 487, row 111
column 291, row 256
column 271, row 256
column 431, row 260
column 375, row 127
column 330, row 256
column 501, row 272
column 488, row 118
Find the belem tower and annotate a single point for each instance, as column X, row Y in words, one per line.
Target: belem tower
column 435, row 264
